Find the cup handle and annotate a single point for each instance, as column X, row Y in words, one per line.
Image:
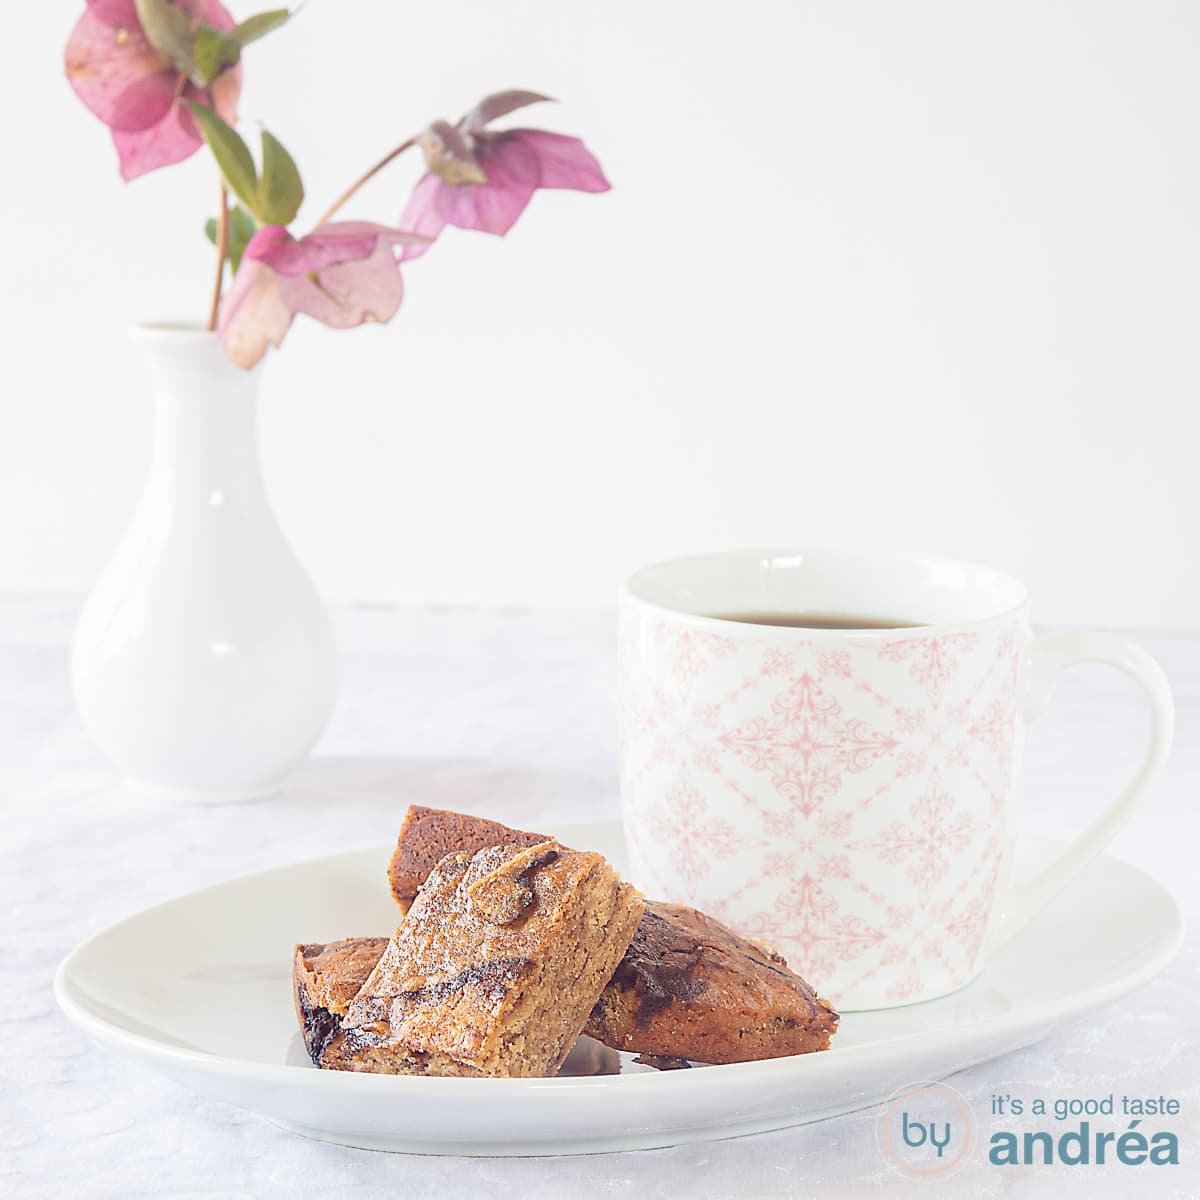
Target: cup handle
column 1048, row 656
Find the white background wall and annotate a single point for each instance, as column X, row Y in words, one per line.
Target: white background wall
column 919, row 273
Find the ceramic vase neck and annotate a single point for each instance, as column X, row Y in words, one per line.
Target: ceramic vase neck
column 206, row 415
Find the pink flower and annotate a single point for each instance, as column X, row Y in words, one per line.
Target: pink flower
column 483, row 179
column 342, row 274
column 136, row 91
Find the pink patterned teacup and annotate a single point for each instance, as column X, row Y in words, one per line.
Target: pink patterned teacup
column 848, row 795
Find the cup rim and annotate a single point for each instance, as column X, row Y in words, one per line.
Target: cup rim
column 629, row 592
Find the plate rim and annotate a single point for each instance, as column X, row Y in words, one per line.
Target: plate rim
column 147, row 1048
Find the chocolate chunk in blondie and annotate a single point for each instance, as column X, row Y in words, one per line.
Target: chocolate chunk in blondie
column 496, row 966
column 326, row 977
column 689, row 988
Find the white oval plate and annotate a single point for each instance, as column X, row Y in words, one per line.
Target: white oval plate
column 199, row 988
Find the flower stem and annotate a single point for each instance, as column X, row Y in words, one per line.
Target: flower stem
column 222, row 254
column 383, row 162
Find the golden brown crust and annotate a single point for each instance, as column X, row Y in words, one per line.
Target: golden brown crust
column 496, row 967
column 752, row 1006
column 689, row 988
column 429, row 834
column 326, row 977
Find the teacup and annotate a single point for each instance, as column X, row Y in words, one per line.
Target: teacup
column 848, row 795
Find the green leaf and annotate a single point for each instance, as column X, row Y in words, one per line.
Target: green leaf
column 252, row 28
column 242, row 227
column 281, row 190
column 231, row 153
column 215, row 52
column 168, row 28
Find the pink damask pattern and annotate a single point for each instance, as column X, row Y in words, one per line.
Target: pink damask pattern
column 934, row 659
column 812, row 920
column 805, row 745
column 842, row 797
column 993, row 728
column 696, row 838
column 934, row 831
column 692, row 651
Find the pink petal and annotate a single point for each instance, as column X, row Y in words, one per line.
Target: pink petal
column 565, row 162
column 328, row 246
column 421, row 214
column 517, row 163
column 513, row 170
column 170, row 141
column 118, row 75
column 352, row 229
column 274, row 246
column 116, row 13
column 491, row 207
column 350, row 293
column 134, row 90
column 254, row 314
column 143, row 103
column 342, row 275
column 509, row 161
column 226, row 90
column 175, row 137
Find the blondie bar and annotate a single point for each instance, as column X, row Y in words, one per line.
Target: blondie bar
column 687, row 988
column 325, row 978
column 499, row 961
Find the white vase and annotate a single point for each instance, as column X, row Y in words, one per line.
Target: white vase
column 204, row 663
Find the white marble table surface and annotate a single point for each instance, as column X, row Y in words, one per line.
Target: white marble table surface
column 509, row 712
